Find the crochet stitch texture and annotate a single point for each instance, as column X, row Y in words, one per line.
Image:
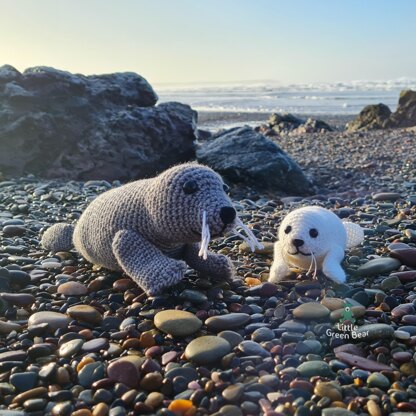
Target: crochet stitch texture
column 150, row 228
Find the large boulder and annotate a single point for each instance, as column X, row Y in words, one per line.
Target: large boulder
column 371, row 117
column 242, row 155
column 405, row 115
column 57, row 124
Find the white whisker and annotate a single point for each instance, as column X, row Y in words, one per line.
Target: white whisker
column 315, row 266
column 311, row 265
column 205, row 237
column 250, row 235
column 246, row 239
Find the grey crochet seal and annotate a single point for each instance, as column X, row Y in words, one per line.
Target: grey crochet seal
column 153, row 228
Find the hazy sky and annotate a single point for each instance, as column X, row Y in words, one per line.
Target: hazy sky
column 290, row 41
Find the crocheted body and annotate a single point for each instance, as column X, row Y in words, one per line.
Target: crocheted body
column 312, row 238
column 150, row 228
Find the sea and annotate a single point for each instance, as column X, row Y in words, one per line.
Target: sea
column 336, row 98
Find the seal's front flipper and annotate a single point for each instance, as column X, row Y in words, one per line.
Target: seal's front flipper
column 331, row 265
column 145, row 263
column 279, row 267
column 216, row 265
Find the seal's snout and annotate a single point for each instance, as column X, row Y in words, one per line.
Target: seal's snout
column 227, row 215
column 297, row 242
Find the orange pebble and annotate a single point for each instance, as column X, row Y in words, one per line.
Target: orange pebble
column 252, row 281
column 358, row 382
column 84, row 362
column 147, row 340
column 182, row 407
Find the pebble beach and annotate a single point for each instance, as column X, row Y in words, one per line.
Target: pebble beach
column 79, row 340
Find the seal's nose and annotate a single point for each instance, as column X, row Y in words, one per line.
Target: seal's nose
column 227, row 214
column 297, row 242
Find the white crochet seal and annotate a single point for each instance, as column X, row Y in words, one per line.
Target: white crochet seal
column 312, row 238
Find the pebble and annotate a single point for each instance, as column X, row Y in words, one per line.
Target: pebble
column 18, row 299
column 177, row 323
column 226, row 322
column 375, row 331
column 336, row 411
column 54, row 320
column 314, row 368
column 378, row 266
column 24, row 381
column 386, row 196
column 378, row 380
column 233, row 338
column 361, row 362
column 311, row 311
column 72, row 289
column 7, row 327
column 126, row 370
column 405, row 256
column 90, row 373
column 389, row 283
column 331, row 390
column 85, row 313
column 234, row 392
column 333, row 303
column 253, row 348
column 71, row 347
column 207, row 349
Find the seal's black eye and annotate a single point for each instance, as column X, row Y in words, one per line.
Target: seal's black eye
column 190, row 187
column 288, row 229
column 313, row 232
column 225, row 187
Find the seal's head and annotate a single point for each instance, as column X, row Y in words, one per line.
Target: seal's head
column 192, row 205
column 308, row 233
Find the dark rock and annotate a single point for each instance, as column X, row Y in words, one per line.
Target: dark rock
column 284, row 122
column 89, row 127
column 380, row 117
column 405, row 115
column 242, row 155
column 374, row 116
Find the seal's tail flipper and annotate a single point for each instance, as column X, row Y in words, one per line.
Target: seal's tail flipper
column 355, row 234
column 58, row 237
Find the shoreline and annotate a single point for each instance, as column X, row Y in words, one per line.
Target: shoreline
column 217, row 120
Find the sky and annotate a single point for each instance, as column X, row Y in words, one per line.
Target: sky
column 195, row 41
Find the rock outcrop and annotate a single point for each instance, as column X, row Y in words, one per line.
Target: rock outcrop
column 372, row 117
column 289, row 124
column 59, row 125
column 243, row 155
column 405, row 115
column 380, row 116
